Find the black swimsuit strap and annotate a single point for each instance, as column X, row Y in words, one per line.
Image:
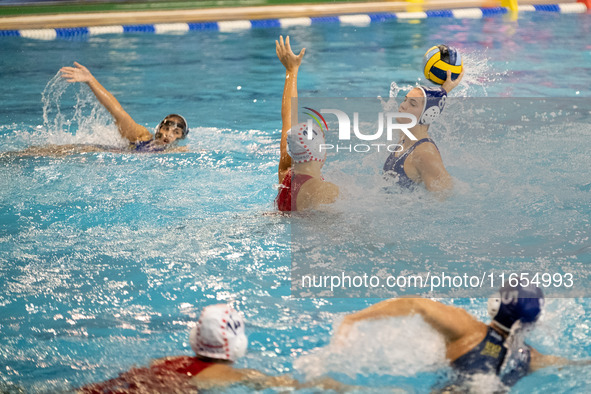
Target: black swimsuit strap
column 419, row 142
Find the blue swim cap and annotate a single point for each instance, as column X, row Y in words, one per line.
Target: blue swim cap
column 515, row 303
column 433, row 105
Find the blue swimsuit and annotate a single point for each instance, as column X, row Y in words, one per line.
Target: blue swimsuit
column 147, row 146
column 394, row 166
column 489, row 357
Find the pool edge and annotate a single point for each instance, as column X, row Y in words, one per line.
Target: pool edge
column 237, row 18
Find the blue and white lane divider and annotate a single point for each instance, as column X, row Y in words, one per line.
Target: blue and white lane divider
column 230, row 26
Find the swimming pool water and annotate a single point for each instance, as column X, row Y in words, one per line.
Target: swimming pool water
column 106, row 259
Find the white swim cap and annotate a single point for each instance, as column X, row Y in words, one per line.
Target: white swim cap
column 185, row 128
column 219, row 333
column 303, row 143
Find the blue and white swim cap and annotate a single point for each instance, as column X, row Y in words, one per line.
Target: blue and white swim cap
column 516, row 303
column 304, row 142
column 219, row 333
column 434, row 102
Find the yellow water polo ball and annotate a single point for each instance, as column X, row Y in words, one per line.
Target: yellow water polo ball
column 438, row 60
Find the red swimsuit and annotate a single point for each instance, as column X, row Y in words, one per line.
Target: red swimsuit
column 288, row 191
column 183, row 364
column 172, row 375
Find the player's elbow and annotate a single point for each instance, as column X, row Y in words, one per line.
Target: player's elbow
column 419, row 306
column 405, row 306
column 442, row 186
column 332, row 193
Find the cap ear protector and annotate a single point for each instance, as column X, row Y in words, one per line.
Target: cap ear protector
column 185, row 129
column 516, row 303
column 494, row 304
column 304, row 143
column 433, row 105
column 219, row 333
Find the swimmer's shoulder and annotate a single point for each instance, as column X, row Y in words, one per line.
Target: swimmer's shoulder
column 425, row 157
column 330, row 191
column 219, row 375
column 219, row 369
column 317, row 191
column 139, row 134
column 425, row 151
column 453, row 322
column 169, row 359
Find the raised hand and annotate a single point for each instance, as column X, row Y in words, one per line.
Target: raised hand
column 79, row 73
column 449, row 85
column 286, row 55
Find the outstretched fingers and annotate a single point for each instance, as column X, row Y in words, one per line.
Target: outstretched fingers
column 280, row 47
column 78, row 73
column 285, row 54
column 80, row 67
column 302, row 53
column 67, row 73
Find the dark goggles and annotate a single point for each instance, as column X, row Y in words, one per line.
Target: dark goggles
column 171, row 124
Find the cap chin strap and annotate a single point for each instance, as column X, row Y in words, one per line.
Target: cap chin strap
column 514, row 342
column 494, row 305
column 502, row 327
column 422, row 119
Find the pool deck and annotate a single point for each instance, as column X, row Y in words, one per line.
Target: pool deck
column 221, row 13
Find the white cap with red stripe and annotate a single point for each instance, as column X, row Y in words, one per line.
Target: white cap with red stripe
column 304, row 143
column 219, row 333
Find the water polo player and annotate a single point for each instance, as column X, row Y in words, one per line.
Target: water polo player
column 300, row 164
column 473, row 347
column 419, row 161
column 218, row 340
column 170, row 130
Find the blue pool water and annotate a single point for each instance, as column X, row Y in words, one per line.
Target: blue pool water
column 106, row 259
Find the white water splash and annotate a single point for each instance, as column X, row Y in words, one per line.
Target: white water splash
column 479, row 75
column 399, row 347
column 89, row 123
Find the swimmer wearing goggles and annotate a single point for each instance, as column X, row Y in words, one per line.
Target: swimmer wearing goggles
column 170, row 130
